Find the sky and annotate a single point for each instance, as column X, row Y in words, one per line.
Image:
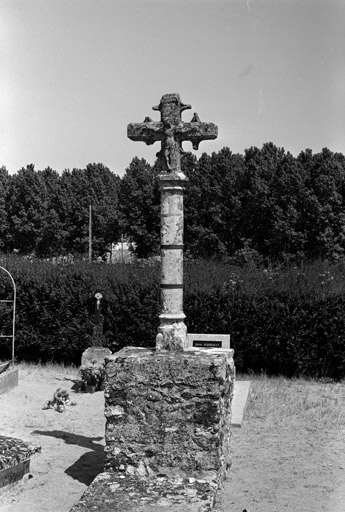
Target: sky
column 75, row 73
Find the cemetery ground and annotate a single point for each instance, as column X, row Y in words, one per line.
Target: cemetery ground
column 289, row 454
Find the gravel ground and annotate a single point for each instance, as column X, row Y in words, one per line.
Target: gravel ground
column 285, row 458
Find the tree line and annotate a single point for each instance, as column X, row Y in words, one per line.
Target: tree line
column 264, row 205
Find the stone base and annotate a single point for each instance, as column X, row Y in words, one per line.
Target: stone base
column 116, row 492
column 169, row 413
column 171, row 336
column 97, row 354
column 8, row 379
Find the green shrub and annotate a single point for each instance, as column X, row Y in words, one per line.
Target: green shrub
column 287, row 321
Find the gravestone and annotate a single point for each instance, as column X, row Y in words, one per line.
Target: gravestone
column 208, row 341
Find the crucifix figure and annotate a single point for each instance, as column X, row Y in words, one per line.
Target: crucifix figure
column 171, row 131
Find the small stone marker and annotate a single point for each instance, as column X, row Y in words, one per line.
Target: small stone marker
column 239, row 402
column 208, row 341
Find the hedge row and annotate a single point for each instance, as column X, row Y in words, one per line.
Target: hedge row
column 290, row 330
column 277, row 334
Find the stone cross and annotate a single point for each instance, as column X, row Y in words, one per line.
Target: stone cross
column 171, row 131
column 98, row 319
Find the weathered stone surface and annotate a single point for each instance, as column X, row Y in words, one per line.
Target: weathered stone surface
column 114, row 492
column 171, row 131
column 172, row 331
column 15, row 457
column 171, row 212
column 169, row 413
column 13, row 451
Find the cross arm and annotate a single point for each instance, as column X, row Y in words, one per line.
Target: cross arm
column 149, row 131
column 197, row 131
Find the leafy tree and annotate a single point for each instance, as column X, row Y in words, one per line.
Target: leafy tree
column 96, row 186
column 139, row 199
column 26, row 203
column 287, row 190
column 227, row 168
column 53, row 229
column 266, row 203
column 103, row 189
column 211, row 203
column 269, row 191
column 324, row 203
column 4, row 184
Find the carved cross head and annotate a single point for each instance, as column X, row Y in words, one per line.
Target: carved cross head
column 172, row 131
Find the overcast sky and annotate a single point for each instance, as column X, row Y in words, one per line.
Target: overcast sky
column 74, row 73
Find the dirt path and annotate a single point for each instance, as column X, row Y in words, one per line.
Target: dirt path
column 285, row 458
column 291, row 458
column 288, row 470
column 72, row 442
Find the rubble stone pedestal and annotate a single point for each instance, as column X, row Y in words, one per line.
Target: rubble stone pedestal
column 168, row 420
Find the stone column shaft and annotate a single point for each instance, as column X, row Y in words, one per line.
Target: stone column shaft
column 172, row 331
column 171, row 131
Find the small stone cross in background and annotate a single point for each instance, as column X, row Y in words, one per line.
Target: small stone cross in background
column 171, row 131
column 97, row 337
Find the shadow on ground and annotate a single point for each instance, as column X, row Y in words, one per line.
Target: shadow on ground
column 77, row 383
column 90, row 464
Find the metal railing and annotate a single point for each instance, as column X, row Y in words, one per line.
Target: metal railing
column 14, row 312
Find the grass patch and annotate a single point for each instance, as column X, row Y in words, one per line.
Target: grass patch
column 49, row 370
column 312, row 403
